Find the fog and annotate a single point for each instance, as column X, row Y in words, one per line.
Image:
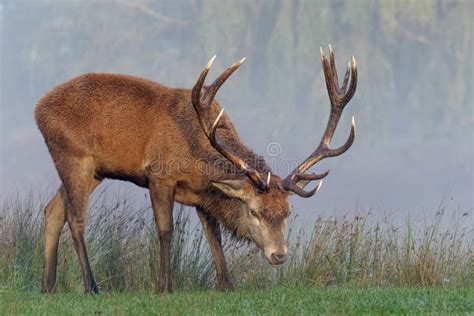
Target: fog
column 413, row 106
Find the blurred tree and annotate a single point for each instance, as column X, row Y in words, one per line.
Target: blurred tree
column 414, row 58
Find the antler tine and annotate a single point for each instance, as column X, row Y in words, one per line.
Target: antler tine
column 196, row 95
column 346, row 78
column 333, row 67
column 214, row 87
column 347, row 144
column 328, row 75
column 269, row 177
column 203, row 104
column 347, row 74
column 309, row 177
column 306, row 194
column 353, row 86
column 338, row 96
column 196, row 92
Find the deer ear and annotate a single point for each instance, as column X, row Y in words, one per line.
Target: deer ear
column 231, row 188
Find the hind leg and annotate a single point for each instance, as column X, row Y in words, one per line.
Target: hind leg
column 54, row 218
column 78, row 179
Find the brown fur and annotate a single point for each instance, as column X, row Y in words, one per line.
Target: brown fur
column 100, row 126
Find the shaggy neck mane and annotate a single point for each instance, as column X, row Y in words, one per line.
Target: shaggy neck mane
column 225, row 209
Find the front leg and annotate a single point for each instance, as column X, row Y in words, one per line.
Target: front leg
column 162, row 200
column 213, row 235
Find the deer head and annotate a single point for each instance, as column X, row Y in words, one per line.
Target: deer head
column 256, row 202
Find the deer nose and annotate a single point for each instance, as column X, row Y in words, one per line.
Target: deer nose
column 278, row 258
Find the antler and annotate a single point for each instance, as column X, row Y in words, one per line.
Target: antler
column 339, row 97
column 202, row 105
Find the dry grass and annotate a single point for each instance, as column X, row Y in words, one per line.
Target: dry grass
column 348, row 251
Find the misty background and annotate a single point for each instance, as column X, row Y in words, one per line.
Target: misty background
column 413, row 106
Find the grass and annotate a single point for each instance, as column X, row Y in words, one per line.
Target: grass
column 284, row 300
column 350, row 264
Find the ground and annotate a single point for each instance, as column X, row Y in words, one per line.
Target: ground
column 285, row 300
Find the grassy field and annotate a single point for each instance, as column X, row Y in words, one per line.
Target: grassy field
column 356, row 263
column 280, row 300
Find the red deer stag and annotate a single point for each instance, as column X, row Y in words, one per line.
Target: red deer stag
column 180, row 145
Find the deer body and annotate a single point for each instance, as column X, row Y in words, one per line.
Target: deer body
column 128, row 127
column 179, row 145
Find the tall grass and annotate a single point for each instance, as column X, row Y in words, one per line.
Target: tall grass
column 347, row 251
